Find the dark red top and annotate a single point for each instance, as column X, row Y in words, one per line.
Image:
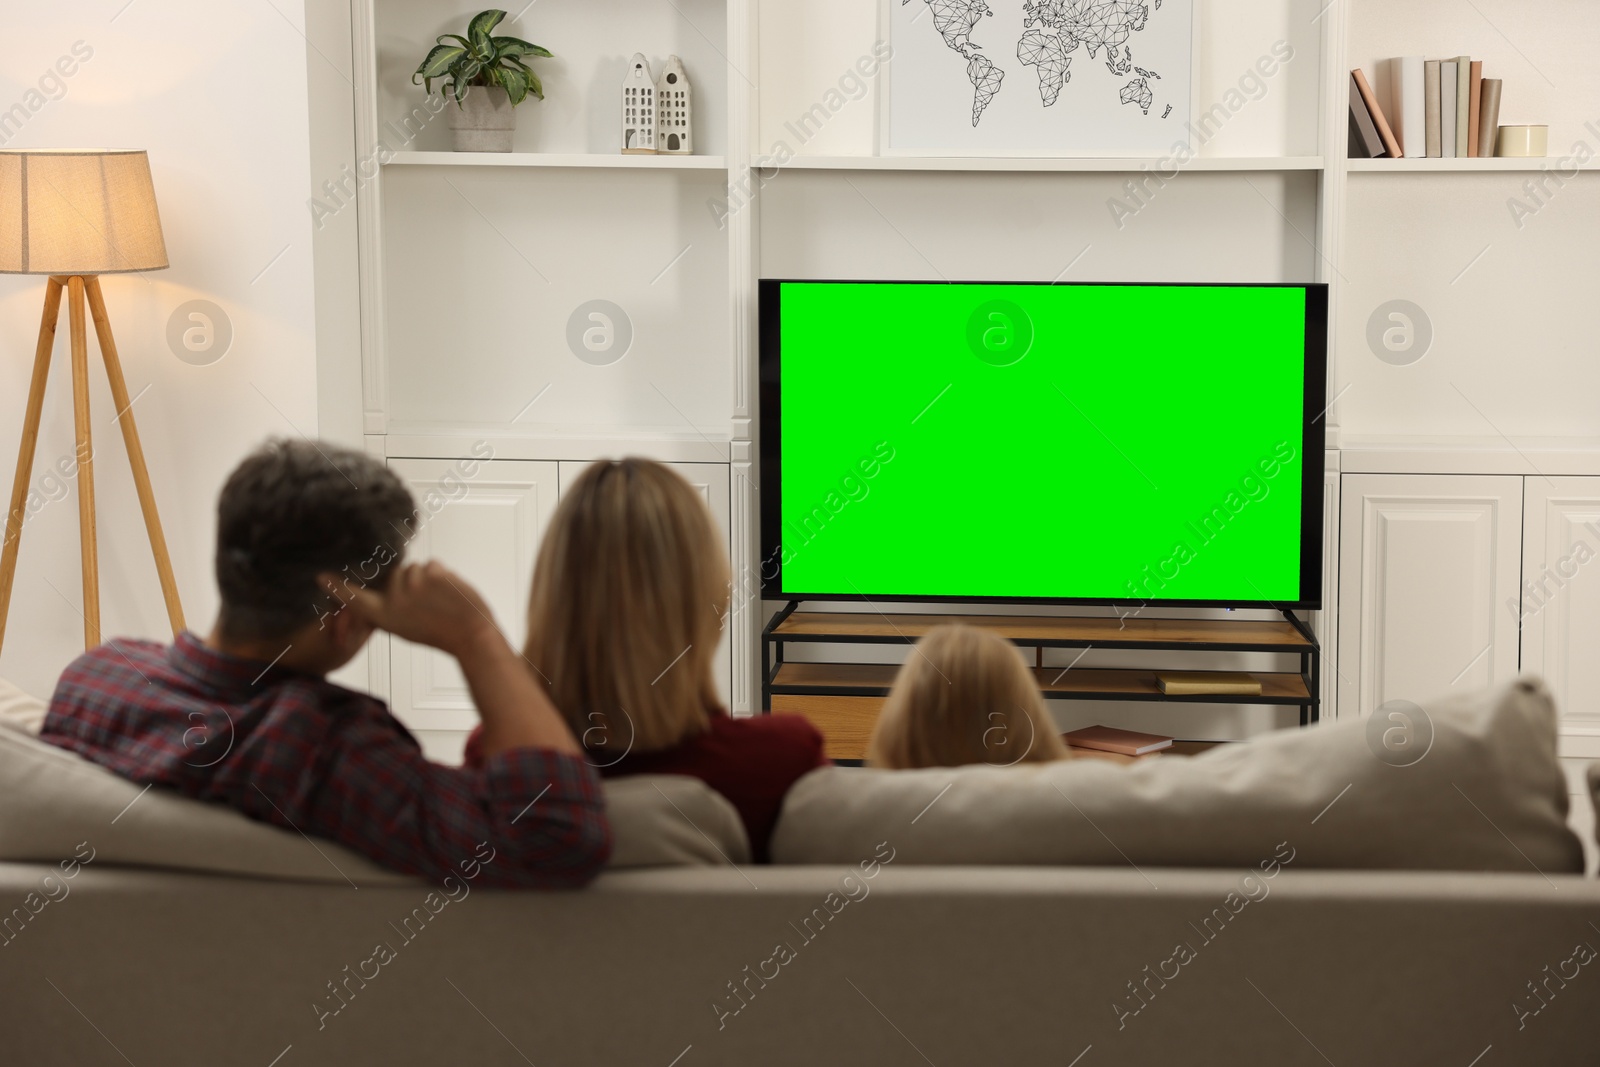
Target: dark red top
column 751, row 761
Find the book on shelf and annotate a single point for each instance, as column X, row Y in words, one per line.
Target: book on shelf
column 1391, row 143
column 1463, row 103
column 1122, row 742
column 1208, row 683
column 1438, row 108
column 1474, row 106
column 1447, row 108
column 1489, row 116
column 1408, row 76
column 1365, row 143
column 1432, row 70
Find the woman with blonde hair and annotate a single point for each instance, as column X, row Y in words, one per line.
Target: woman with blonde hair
column 964, row 695
column 630, row 591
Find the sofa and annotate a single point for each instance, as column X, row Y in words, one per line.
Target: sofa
column 1305, row 899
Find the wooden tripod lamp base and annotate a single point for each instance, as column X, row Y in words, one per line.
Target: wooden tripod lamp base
column 78, row 287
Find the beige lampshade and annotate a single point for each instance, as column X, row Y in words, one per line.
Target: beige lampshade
column 78, row 212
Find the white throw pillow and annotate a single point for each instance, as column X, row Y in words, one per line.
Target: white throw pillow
column 52, row 799
column 1487, row 794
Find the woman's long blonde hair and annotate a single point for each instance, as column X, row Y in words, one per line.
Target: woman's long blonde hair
column 629, row 594
column 964, row 696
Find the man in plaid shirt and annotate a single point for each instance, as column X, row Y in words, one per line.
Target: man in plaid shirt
column 309, row 546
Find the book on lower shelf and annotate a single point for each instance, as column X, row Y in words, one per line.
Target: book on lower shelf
column 1208, row 683
column 1121, row 742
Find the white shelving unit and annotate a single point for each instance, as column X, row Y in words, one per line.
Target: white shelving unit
column 469, row 267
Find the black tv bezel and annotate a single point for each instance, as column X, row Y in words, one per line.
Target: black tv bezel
column 769, row 333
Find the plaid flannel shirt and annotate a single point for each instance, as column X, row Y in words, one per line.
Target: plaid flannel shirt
column 297, row 751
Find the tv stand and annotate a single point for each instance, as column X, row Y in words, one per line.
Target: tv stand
column 844, row 698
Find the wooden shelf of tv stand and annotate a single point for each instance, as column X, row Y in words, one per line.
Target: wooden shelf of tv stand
column 844, row 699
column 1052, row 632
column 1090, row 683
column 847, row 723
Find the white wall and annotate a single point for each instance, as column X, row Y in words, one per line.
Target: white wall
column 217, row 93
column 476, row 333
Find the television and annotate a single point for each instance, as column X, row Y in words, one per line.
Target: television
column 1084, row 443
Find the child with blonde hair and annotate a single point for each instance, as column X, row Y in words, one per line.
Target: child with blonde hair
column 964, row 696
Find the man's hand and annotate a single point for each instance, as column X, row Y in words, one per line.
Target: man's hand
column 431, row 605
column 427, row 604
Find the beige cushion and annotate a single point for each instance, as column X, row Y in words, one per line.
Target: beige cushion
column 669, row 820
column 23, row 711
column 51, row 800
column 1488, row 795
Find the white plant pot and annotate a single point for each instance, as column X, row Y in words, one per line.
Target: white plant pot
column 484, row 122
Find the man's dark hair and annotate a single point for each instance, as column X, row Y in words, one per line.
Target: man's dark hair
column 296, row 509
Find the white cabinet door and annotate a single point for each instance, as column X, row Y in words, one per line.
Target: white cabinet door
column 1560, row 599
column 485, row 525
column 1427, row 564
column 712, row 481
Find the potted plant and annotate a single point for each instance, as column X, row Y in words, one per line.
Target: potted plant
column 483, row 121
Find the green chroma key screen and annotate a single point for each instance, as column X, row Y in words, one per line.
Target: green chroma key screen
column 1095, row 443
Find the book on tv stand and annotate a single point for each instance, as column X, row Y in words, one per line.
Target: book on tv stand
column 1122, row 742
column 1217, row 683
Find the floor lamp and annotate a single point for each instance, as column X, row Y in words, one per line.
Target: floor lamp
column 74, row 216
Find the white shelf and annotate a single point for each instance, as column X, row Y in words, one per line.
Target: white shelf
column 570, row 160
column 1042, row 163
column 439, row 441
column 1483, row 165
column 1529, row 456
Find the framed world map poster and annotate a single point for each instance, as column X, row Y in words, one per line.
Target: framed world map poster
column 1038, row 77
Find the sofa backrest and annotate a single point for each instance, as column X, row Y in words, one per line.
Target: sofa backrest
column 1479, row 788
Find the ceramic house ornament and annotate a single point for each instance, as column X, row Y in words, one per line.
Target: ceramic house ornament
column 638, row 108
column 674, row 110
